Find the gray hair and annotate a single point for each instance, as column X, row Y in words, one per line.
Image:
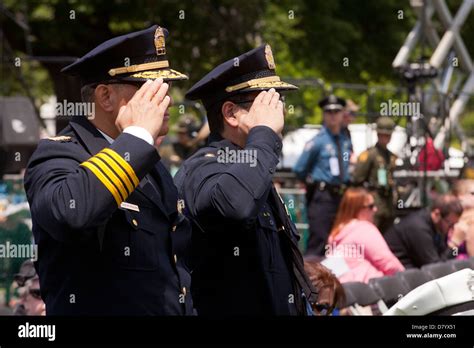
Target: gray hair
column 87, row 93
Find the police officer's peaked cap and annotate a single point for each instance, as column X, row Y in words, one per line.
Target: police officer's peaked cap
column 331, row 102
column 134, row 57
column 251, row 71
column 385, row 125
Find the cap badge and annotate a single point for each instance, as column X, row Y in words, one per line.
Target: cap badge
column 269, row 57
column 160, row 42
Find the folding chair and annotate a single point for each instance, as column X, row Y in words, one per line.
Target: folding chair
column 389, row 288
column 458, row 265
column 360, row 295
column 413, row 278
column 471, row 261
column 437, row 270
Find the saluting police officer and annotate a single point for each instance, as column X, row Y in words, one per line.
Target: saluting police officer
column 324, row 166
column 247, row 257
column 111, row 240
column 374, row 170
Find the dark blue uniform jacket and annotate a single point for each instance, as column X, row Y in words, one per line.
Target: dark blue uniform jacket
column 98, row 255
column 245, row 255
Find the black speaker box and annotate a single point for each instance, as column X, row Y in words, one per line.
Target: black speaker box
column 19, row 133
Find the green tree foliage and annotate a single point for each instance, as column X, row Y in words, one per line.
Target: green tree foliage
column 337, row 41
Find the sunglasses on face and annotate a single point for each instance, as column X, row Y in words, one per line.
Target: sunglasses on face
column 250, row 101
column 370, row 206
column 322, row 308
column 332, row 112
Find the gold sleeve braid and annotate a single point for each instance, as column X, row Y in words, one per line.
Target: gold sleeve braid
column 114, row 173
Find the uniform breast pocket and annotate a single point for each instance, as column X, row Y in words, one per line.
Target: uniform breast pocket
column 144, row 241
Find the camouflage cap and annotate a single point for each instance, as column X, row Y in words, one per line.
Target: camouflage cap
column 27, row 271
column 385, row 125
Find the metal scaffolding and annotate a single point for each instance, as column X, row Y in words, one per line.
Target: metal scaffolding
column 451, row 59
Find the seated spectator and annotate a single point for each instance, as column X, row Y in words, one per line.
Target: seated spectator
column 465, row 240
column 421, row 237
column 462, row 235
column 30, row 302
column 331, row 293
column 357, row 241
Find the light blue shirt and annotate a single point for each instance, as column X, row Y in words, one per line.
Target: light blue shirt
column 320, row 155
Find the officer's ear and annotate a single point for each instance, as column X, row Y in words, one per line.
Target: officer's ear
column 228, row 114
column 104, row 97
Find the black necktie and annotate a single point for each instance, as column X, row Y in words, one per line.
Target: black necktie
column 339, row 158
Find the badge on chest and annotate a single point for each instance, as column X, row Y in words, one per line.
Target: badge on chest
column 129, row 206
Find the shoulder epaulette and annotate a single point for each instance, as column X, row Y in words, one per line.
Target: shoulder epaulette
column 61, row 138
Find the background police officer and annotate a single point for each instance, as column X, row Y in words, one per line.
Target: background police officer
column 374, row 170
column 248, row 262
column 186, row 143
column 187, row 131
column 104, row 209
column 324, row 164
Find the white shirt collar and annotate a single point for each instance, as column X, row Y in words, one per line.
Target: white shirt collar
column 109, row 139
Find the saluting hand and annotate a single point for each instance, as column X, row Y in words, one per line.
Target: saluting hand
column 146, row 108
column 267, row 110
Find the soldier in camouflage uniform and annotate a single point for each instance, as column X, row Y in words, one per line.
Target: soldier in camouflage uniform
column 374, row 171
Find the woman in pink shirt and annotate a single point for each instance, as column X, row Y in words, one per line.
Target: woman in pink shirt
column 357, row 241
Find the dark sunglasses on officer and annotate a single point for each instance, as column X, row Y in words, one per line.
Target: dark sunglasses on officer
column 250, row 101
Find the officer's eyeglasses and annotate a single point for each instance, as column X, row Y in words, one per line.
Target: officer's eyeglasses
column 137, row 84
column 250, row 101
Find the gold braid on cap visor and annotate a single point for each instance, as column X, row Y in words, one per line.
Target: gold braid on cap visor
column 263, row 82
column 139, row 67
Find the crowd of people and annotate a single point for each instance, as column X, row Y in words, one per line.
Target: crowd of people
column 354, row 207
column 118, row 235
